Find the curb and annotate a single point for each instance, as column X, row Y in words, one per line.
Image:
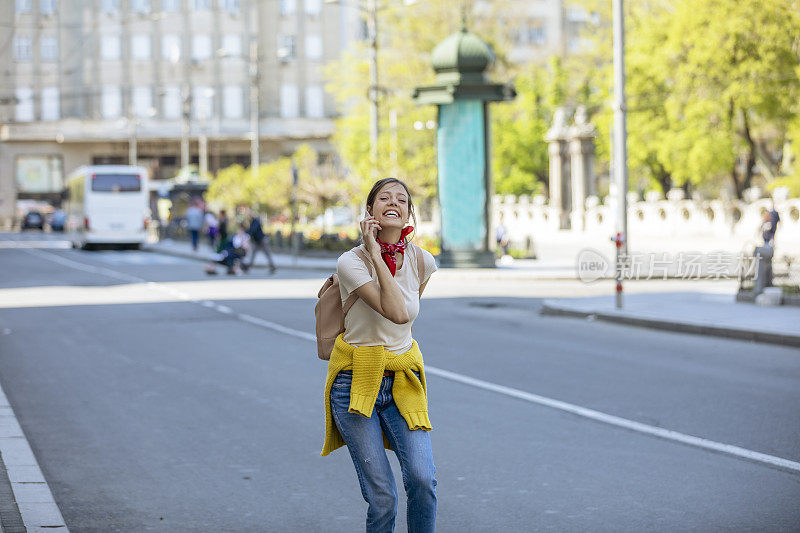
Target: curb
column 550, row 308
column 204, row 259
column 26, row 502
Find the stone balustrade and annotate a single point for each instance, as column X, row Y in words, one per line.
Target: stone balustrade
column 675, row 217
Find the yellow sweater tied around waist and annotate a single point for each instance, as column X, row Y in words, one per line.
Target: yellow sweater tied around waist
column 368, row 363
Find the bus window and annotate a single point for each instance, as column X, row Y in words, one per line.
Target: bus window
column 116, row 183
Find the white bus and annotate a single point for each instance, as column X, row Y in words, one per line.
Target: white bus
column 107, row 204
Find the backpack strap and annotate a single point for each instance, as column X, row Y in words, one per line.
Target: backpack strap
column 353, row 296
column 420, row 262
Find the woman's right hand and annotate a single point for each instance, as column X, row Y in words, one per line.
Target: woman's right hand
column 369, row 233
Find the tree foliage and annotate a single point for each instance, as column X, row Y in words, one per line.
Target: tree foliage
column 270, row 190
column 407, row 37
column 711, row 86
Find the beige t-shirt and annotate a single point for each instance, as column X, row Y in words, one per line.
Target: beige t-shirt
column 363, row 326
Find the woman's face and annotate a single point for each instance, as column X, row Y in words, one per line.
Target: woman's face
column 390, row 207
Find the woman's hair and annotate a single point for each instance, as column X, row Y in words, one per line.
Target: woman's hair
column 379, row 185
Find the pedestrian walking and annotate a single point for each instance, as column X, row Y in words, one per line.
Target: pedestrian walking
column 194, row 221
column 259, row 242
column 376, row 391
column 212, row 228
column 502, row 236
column 769, row 225
column 223, row 229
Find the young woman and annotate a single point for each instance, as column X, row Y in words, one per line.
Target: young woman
column 376, row 393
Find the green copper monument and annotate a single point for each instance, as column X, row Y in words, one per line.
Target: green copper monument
column 461, row 94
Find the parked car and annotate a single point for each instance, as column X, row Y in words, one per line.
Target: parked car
column 33, row 219
column 58, row 219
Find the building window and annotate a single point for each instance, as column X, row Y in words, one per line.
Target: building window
column 140, row 47
column 47, row 7
column 232, row 6
column 170, row 5
column 109, row 6
column 313, row 46
column 172, row 102
column 111, row 101
column 287, row 7
column 315, row 101
column 22, row 6
column 531, row 33
column 23, row 49
column 109, row 47
column 289, row 101
column 203, row 102
column 201, row 47
column 142, row 101
column 51, row 109
column 232, row 45
column 287, row 47
column 48, row 48
column 232, row 101
column 200, row 5
column 312, row 7
column 171, row 48
column 140, row 6
column 23, row 111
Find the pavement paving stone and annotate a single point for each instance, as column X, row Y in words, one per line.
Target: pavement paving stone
column 38, row 515
column 31, row 492
column 9, row 427
column 25, row 474
column 16, row 451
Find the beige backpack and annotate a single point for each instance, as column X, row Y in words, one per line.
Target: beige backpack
column 329, row 310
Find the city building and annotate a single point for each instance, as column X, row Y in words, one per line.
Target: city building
column 163, row 82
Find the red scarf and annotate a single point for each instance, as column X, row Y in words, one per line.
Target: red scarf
column 388, row 250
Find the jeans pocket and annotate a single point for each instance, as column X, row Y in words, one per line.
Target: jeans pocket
column 342, row 381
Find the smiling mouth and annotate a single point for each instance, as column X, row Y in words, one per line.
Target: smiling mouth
column 391, row 214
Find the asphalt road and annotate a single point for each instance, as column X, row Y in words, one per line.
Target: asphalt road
column 151, row 405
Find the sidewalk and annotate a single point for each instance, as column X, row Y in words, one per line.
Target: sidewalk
column 689, row 312
column 516, row 269
column 204, row 253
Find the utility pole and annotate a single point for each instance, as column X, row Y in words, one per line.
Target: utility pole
column 186, row 96
column 372, row 29
column 294, row 240
column 620, row 146
column 254, row 133
column 133, row 147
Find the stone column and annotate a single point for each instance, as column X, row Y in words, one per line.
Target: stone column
column 581, row 151
column 559, row 168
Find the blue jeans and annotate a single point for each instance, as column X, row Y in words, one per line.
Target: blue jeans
column 195, row 233
column 364, row 438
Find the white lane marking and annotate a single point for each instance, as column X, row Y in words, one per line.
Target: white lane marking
column 121, row 276
column 52, row 245
column 577, row 410
column 277, row 327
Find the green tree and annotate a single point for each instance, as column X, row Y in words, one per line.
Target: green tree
column 711, row 87
column 520, row 160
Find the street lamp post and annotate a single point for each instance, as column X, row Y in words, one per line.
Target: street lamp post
column 254, row 112
column 370, row 9
column 372, row 29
